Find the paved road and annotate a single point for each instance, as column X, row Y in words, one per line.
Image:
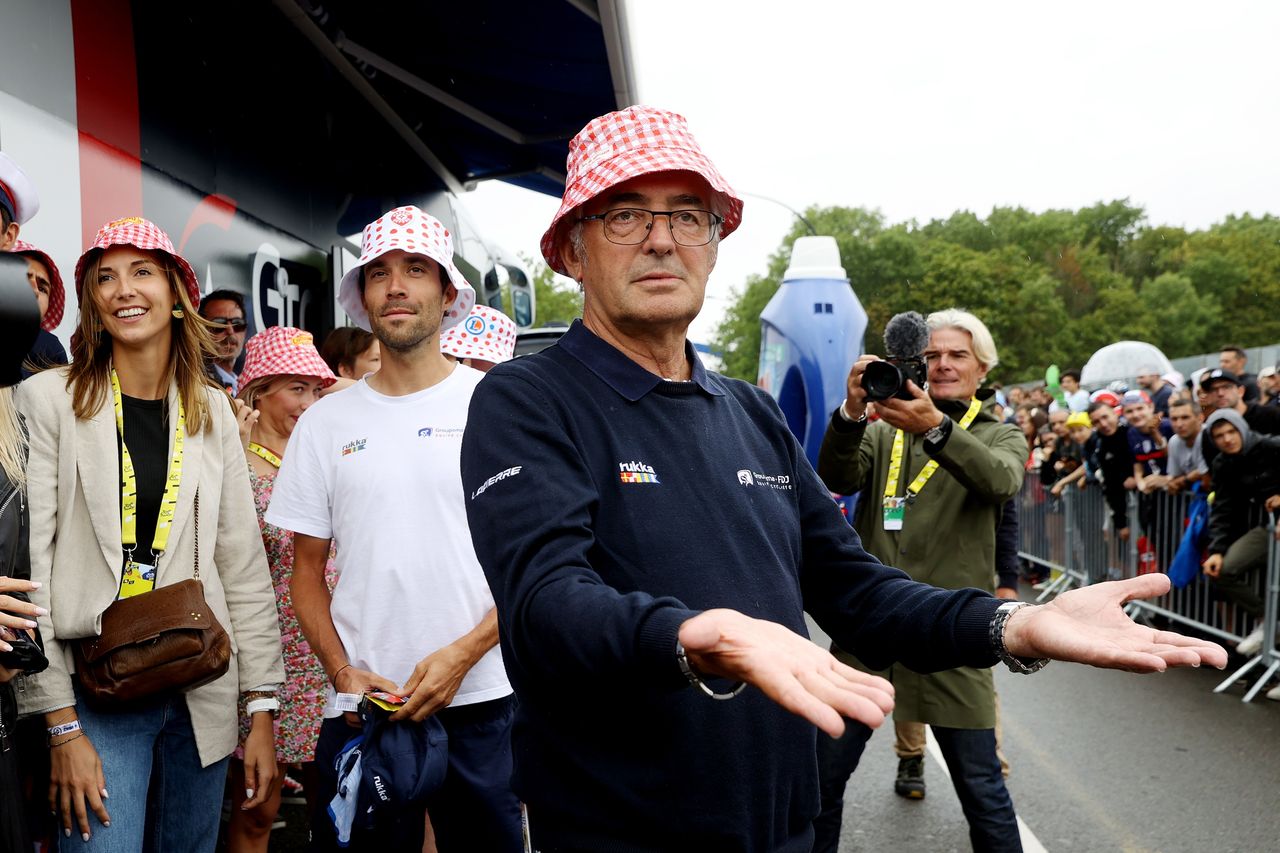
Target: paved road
column 1101, row 761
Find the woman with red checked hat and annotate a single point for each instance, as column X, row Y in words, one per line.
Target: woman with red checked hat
column 137, row 482
column 283, row 375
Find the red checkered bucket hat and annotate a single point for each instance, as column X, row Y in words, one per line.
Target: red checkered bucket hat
column 486, row 334
column 283, row 351
column 410, row 230
column 141, row 234
column 627, row 144
column 57, row 293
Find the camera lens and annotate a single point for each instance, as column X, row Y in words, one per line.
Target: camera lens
column 881, row 380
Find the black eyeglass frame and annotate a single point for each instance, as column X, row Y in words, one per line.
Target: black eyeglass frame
column 716, row 221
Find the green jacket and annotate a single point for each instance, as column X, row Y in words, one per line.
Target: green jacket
column 948, row 536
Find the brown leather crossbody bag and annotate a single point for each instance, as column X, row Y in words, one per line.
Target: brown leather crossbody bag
column 158, row 642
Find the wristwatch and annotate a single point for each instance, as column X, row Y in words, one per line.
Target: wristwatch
column 938, row 434
column 1022, row 666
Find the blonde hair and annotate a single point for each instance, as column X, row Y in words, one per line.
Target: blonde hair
column 13, row 441
column 264, row 386
column 984, row 347
column 90, row 373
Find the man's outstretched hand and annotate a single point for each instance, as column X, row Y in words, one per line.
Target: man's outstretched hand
column 1089, row 626
column 789, row 669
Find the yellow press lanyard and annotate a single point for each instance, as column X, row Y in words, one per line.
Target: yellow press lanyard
column 895, row 459
column 261, row 452
column 137, row 579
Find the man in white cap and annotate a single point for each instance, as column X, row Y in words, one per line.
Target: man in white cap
column 374, row 468
column 653, row 535
column 18, row 201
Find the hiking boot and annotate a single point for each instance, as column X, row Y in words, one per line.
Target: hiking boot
column 910, row 781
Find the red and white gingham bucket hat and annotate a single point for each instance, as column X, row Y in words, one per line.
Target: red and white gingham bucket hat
column 410, row 230
column 57, row 293
column 283, row 351
column 486, row 334
column 627, row 144
column 141, row 234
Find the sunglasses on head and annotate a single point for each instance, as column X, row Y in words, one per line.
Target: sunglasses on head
column 235, row 323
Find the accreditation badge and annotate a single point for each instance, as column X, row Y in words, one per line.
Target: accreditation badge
column 894, row 509
column 137, row 579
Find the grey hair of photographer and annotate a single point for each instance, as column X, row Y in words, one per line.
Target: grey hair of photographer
column 984, row 347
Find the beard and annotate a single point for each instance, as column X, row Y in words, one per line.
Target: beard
column 406, row 334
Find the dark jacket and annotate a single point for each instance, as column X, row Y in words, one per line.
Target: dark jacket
column 15, row 562
column 1242, row 483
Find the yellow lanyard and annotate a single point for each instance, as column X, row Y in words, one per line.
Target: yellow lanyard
column 129, row 483
column 260, row 451
column 895, row 458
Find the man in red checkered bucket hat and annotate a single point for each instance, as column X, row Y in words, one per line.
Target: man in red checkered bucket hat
column 46, row 283
column 647, row 525
column 487, row 337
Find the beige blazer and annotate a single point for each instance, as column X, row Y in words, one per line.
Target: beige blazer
column 73, row 487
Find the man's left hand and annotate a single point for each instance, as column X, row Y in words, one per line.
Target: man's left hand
column 917, row 415
column 1089, row 625
column 434, row 683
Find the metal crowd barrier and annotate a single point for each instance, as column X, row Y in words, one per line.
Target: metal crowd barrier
column 1073, row 536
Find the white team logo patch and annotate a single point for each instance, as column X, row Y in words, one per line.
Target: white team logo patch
column 781, row 482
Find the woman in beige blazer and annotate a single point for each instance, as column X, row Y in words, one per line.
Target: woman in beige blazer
column 137, row 374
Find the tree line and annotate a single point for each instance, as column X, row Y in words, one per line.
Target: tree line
column 1052, row 286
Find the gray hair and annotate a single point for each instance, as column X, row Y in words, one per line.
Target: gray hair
column 984, row 347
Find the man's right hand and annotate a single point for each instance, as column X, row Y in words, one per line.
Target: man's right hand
column 798, row 675
column 855, row 401
column 360, row 682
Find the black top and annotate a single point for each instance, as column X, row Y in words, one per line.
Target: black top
column 1263, row 420
column 607, row 506
column 1242, row 483
column 146, row 431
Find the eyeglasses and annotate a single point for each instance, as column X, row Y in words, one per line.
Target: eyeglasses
column 235, row 324
column 630, row 226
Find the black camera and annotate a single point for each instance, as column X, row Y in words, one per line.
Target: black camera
column 884, row 379
column 26, row 656
column 905, row 337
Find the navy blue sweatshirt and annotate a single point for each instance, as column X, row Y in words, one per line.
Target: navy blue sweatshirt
column 608, row 506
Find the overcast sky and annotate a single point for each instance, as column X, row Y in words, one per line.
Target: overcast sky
column 924, row 108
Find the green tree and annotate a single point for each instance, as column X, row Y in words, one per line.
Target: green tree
column 556, row 298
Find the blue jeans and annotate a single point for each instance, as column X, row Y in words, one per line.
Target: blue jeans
column 975, row 774
column 160, row 798
column 473, row 809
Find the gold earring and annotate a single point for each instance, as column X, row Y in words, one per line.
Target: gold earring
column 177, row 314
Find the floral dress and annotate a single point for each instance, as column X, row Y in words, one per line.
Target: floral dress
column 301, row 697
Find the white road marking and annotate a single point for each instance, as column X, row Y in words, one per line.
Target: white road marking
column 1030, row 844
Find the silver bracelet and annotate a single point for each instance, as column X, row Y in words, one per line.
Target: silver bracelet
column 693, row 678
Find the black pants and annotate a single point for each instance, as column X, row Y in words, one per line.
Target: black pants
column 975, row 774
column 474, row 809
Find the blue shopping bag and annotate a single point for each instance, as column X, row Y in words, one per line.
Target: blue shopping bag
column 1185, row 565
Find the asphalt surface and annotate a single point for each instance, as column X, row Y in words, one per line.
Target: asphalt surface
column 1101, row 761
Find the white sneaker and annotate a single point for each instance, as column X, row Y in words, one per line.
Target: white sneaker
column 1274, row 693
column 1251, row 644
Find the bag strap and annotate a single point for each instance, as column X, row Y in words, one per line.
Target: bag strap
column 197, row 523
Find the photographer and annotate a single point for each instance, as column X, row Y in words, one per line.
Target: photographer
column 936, row 470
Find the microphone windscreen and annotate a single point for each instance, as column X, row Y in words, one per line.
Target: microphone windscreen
column 906, row 335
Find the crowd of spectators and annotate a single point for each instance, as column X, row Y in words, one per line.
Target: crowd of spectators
column 1216, row 432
